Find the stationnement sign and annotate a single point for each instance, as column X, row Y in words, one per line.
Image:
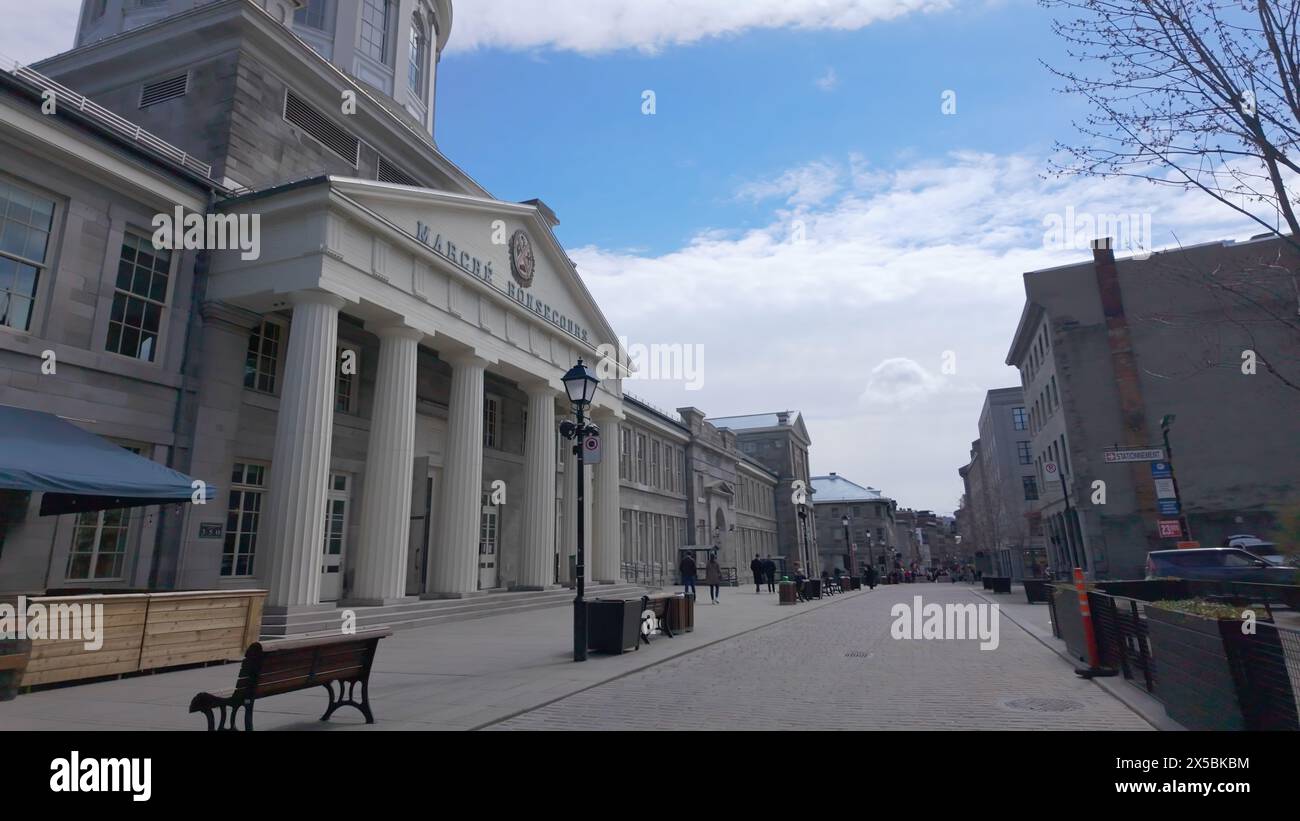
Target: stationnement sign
column 1134, row 455
column 1171, row 529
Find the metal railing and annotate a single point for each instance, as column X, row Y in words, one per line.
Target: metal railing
column 64, row 96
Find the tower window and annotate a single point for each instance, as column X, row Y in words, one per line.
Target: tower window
column 375, row 16
column 419, row 55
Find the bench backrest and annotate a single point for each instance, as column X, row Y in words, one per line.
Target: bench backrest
column 295, row 664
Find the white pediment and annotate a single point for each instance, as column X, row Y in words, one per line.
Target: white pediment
column 478, row 241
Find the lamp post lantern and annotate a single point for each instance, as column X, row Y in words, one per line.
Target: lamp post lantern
column 580, row 384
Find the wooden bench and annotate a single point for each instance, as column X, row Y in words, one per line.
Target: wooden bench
column 297, row 664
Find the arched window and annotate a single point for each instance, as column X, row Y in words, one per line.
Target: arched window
column 419, row 54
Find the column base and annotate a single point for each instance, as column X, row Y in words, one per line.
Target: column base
column 377, row 602
column 297, row 609
column 468, row 594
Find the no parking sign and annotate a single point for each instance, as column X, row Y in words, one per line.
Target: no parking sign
column 591, row 450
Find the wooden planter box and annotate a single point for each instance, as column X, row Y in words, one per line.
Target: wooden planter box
column 149, row 631
column 681, row 614
column 1210, row 676
column 1036, row 591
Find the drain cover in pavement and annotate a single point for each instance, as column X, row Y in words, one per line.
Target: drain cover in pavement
column 1041, row 705
column 858, row 654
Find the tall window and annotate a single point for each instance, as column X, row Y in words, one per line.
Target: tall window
column 243, row 516
column 375, row 15
column 1018, row 419
column 99, row 540
column 640, row 459
column 25, row 221
column 138, row 301
column 625, row 453
column 263, row 357
column 491, row 422
column 419, row 54
column 1031, row 488
column 1023, row 451
column 345, row 383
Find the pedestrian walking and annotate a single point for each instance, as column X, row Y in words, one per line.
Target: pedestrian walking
column 769, row 570
column 687, row 568
column 713, row 578
column 871, row 577
column 756, row 567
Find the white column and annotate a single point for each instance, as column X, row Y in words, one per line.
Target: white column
column 453, row 565
column 536, row 565
column 569, row 527
column 606, row 546
column 386, row 494
column 300, row 461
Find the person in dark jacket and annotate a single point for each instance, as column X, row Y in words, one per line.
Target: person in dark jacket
column 756, row 567
column 687, row 567
column 769, row 571
column 713, row 577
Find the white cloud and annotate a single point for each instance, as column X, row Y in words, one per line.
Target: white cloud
column 900, row 380
column 806, row 185
column 608, row 25
column 828, row 81
column 850, row 325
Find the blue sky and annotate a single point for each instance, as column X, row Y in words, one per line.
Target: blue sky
column 798, row 206
column 739, row 108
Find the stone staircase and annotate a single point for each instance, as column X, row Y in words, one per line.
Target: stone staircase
column 431, row 612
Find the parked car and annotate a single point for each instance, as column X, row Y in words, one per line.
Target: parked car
column 1218, row 564
column 1254, row 545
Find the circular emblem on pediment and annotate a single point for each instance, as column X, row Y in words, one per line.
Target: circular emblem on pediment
column 522, row 262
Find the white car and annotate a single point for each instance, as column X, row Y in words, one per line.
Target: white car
column 1257, row 547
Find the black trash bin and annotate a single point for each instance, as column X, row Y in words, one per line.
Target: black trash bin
column 613, row 625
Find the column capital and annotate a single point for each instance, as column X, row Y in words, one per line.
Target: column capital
column 214, row 312
column 396, row 330
column 542, row 386
column 606, row 413
column 460, row 359
column 314, row 297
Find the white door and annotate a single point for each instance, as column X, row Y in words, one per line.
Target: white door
column 489, row 531
column 336, row 537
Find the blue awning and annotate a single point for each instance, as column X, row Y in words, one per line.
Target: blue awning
column 79, row 471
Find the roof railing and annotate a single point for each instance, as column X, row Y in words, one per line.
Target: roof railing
column 66, row 96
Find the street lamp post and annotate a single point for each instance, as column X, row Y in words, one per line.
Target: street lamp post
column 853, row 559
column 580, row 384
column 803, row 516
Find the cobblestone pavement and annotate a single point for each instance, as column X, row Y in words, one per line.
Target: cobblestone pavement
column 839, row 668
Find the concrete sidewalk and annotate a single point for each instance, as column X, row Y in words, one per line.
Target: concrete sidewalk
column 1036, row 620
column 451, row 677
